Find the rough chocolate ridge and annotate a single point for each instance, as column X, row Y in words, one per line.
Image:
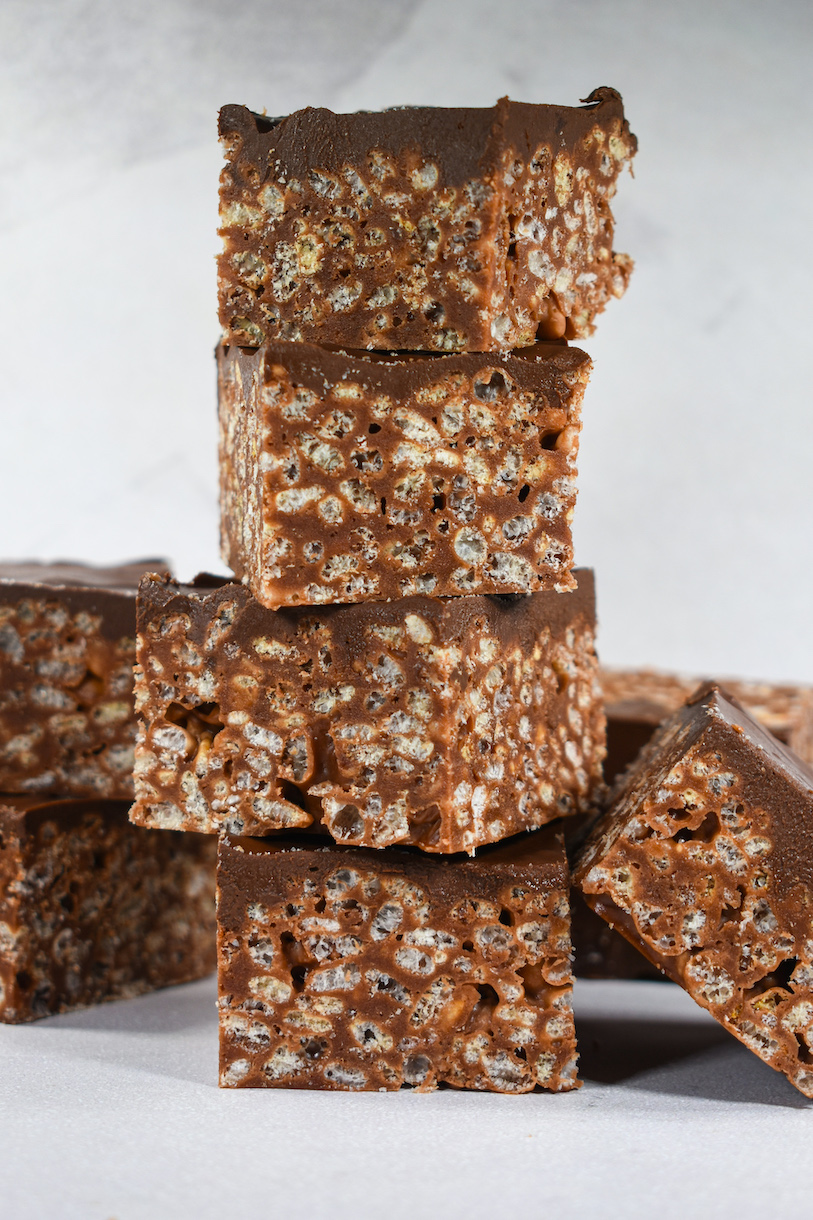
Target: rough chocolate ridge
column 518, row 617
column 462, row 141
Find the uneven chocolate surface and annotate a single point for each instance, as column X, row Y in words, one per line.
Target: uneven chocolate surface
column 421, row 228
column 67, row 649
column 447, row 724
column 94, row 909
column 637, row 701
column 705, row 862
column 365, row 970
column 459, row 140
column 345, row 479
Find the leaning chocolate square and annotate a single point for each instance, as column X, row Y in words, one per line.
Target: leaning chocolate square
column 705, row 862
column 637, row 701
column 94, row 909
column 67, row 649
column 446, row 724
column 421, row 228
column 355, row 477
column 362, row 970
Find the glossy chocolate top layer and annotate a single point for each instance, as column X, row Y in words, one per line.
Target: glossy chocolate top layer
column 513, row 617
column 536, row 860
column 462, row 142
column 108, row 592
column 405, row 374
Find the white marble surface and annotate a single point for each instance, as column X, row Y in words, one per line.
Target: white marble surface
column 113, row 1114
column 695, row 509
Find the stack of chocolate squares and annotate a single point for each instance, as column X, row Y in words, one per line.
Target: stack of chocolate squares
column 404, row 674
column 91, row 908
column 393, row 714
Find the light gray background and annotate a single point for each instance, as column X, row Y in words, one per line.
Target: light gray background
column 695, row 490
column 695, row 509
column 113, row 1114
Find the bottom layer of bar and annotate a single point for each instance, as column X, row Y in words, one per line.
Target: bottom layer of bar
column 345, row 968
column 95, row 909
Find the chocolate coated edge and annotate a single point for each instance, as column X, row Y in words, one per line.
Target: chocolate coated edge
column 536, row 859
column 714, row 697
column 23, row 815
column 517, row 613
column 711, row 705
column 465, row 142
column 545, row 845
column 105, row 591
column 403, row 374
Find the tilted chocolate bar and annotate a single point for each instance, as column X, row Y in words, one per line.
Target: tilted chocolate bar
column 349, row 477
column 705, row 862
column 67, row 648
column 447, row 724
column 637, row 701
column 348, row 969
column 94, row 909
column 421, row 229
